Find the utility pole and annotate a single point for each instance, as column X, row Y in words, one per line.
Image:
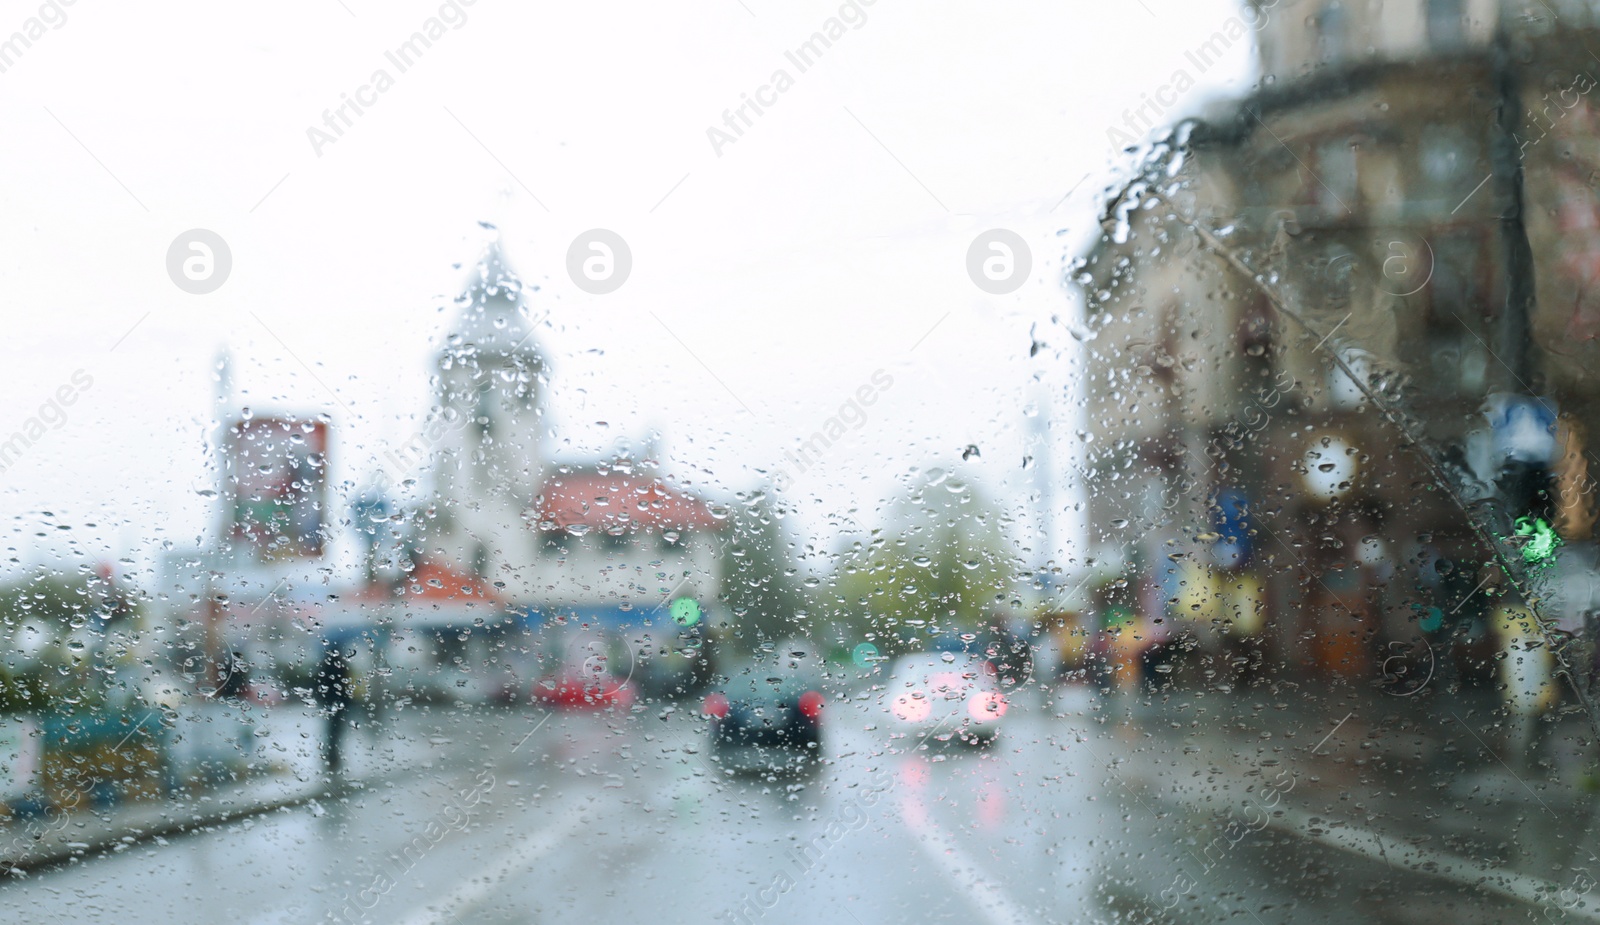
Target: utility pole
column 1520, row 483
column 1043, row 477
column 1506, row 162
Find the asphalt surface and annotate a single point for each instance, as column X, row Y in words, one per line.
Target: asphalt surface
column 522, row 815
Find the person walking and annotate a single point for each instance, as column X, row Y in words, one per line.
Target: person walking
column 1527, row 674
column 1011, row 655
column 333, row 693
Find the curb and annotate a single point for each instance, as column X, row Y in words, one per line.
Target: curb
column 44, row 854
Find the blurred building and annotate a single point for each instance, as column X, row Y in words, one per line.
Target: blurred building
column 1416, row 179
column 258, row 586
column 601, row 536
column 472, row 538
column 513, row 550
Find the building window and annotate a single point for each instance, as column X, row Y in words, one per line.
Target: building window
column 1446, row 155
column 1337, row 279
column 1447, row 25
column 483, row 412
column 1332, row 33
column 1335, row 185
column 1457, row 327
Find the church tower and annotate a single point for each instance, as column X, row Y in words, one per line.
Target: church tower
column 488, row 414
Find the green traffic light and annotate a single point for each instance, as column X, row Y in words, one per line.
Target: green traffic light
column 685, row 611
column 1542, row 540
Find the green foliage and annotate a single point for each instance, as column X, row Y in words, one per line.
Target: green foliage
column 761, row 586
column 22, row 692
column 39, row 672
column 55, row 600
column 941, row 567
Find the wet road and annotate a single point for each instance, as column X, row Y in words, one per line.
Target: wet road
column 521, row 816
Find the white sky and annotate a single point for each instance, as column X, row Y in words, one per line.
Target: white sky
column 793, row 266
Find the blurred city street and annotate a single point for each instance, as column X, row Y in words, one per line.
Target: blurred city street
column 818, row 461
column 1068, row 817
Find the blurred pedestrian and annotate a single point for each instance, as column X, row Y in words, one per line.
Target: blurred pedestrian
column 1011, row 655
column 233, row 677
column 1243, row 618
column 1527, row 676
column 1113, row 650
column 333, row 693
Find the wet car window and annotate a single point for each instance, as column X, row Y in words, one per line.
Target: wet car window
column 844, row 461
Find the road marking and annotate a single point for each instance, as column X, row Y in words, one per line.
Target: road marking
column 1396, row 853
column 1461, row 871
column 993, row 904
column 481, row 884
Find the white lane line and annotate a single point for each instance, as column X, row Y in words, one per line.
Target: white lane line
column 481, row 884
column 993, row 905
column 1391, row 851
column 1461, row 871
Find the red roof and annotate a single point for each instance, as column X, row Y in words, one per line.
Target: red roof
column 435, row 581
column 616, row 501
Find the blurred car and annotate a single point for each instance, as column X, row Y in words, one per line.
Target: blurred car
column 584, row 690
column 767, row 716
column 586, row 669
column 672, row 662
column 946, row 692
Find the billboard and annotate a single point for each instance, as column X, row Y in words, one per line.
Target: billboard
column 276, row 479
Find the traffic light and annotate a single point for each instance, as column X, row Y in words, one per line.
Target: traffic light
column 1539, row 540
column 1528, row 491
column 685, row 611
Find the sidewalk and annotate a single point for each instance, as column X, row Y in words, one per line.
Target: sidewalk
column 55, row 838
column 289, row 772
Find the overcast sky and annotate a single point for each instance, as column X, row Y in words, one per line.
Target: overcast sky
column 771, row 278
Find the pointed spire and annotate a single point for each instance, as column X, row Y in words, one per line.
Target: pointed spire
column 492, row 319
column 493, row 276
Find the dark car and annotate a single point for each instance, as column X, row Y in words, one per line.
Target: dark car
column 673, row 663
column 766, row 714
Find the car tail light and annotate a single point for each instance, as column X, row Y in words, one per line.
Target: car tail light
column 986, row 705
column 716, row 705
column 811, row 705
column 913, row 707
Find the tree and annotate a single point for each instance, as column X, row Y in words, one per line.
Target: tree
column 39, row 617
column 761, row 586
column 939, row 568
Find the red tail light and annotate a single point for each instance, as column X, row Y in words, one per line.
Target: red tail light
column 715, row 705
column 811, row 704
column 986, row 706
column 913, row 707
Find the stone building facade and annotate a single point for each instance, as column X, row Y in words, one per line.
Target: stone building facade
column 1413, row 182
